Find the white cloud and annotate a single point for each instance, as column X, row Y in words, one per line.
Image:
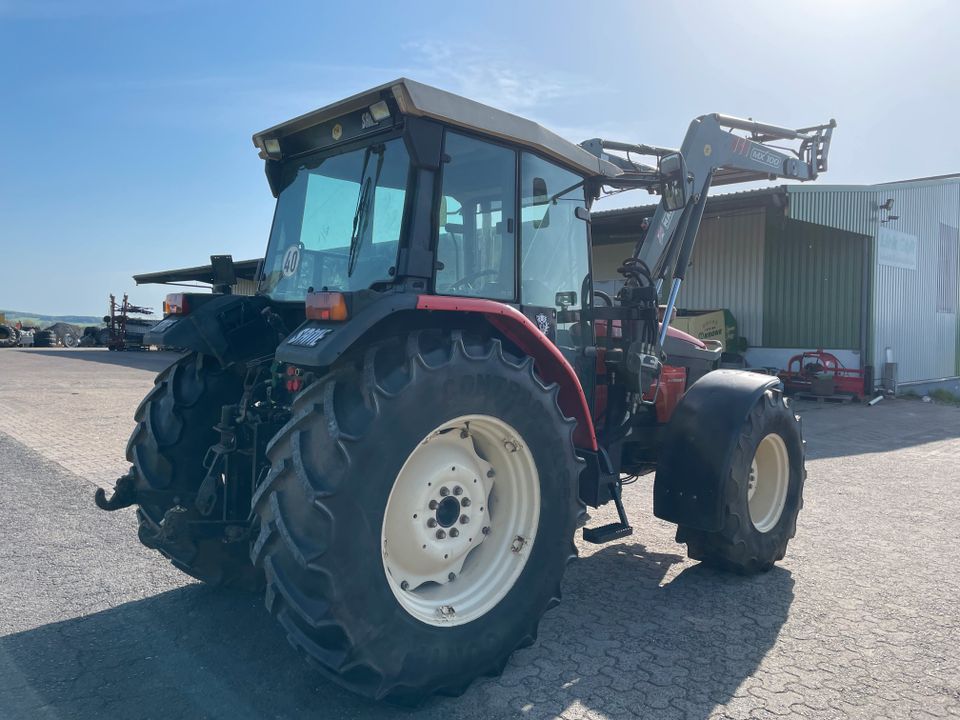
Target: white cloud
column 487, row 78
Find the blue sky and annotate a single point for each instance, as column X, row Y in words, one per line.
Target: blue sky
column 126, row 125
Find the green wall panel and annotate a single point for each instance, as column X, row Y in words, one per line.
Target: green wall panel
column 813, row 286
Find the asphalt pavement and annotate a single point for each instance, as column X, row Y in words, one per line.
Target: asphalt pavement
column 861, row 620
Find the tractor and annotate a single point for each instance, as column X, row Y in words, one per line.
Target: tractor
column 397, row 437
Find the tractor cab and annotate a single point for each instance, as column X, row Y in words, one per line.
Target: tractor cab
column 407, row 188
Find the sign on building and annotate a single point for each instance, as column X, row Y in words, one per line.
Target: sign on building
column 897, row 249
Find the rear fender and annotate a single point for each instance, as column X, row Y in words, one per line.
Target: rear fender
column 319, row 344
column 228, row 327
column 698, row 446
column 550, row 362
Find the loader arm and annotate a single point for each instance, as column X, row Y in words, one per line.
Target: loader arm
column 711, row 154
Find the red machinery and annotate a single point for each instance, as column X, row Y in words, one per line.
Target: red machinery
column 803, row 369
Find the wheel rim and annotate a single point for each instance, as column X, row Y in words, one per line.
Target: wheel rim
column 767, row 482
column 461, row 520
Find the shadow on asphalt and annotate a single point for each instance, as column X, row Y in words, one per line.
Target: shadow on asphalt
column 155, row 360
column 682, row 647
column 196, row 651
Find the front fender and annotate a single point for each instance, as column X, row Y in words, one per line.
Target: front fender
column 698, row 446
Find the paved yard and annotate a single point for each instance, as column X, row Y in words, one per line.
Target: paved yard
column 861, row 620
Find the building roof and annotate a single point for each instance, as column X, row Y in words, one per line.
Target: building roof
column 715, row 203
column 417, row 99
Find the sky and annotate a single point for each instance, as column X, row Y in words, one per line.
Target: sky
column 126, row 125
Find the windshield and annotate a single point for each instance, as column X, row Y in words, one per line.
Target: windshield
column 337, row 223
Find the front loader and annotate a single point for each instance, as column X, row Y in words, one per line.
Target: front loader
column 397, row 437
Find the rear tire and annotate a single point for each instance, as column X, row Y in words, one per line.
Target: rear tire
column 763, row 493
column 69, row 340
column 328, row 504
column 174, row 430
column 44, row 338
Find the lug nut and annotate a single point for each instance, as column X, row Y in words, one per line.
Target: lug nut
column 451, row 577
column 458, row 490
column 433, row 504
column 454, row 532
column 490, row 472
column 441, row 534
column 432, row 522
column 464, row 519
column 486, row 530
column 465, row 502
column 404, row 585
column 444, row 492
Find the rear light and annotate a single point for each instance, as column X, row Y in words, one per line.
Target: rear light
column 326, row 306
column 176, row 304
column 294, row 381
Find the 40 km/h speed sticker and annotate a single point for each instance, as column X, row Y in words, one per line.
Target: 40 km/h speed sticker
column 291, row 260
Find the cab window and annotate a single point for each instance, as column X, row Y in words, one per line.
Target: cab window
column 555, row 256
column 476, row 243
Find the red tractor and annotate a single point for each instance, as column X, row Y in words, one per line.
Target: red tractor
column 398, row 435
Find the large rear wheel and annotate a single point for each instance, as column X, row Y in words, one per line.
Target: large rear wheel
column 418, row 515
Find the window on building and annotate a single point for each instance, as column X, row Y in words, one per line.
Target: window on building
column 948, row 265
column 476, row 246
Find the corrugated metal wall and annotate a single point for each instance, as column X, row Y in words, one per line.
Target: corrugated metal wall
column 924, row 342
column 813, row 283
column 727, row 270
column 245, row 287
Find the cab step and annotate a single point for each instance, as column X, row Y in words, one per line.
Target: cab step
column 607, row 533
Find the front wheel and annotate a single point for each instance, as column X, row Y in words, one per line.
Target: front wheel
column 418, row 515
column 762, row 496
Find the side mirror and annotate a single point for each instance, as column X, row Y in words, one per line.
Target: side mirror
column 673, row 183
column 540, row 196
column 539, row 199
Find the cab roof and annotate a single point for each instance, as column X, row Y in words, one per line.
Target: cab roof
column 419, row 100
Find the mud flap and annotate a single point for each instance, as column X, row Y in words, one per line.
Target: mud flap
column 698, row 446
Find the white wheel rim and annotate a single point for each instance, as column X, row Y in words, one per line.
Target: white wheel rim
column 767, row 482
column 443, row 569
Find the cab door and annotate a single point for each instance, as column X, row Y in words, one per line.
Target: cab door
column 555, row 259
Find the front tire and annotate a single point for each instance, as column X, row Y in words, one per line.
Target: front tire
column 762, row 496
column 357, row 542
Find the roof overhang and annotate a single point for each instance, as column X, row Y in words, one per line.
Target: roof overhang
column 244, row 269
column 415, row 99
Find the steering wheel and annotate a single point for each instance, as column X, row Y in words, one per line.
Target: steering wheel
column 470, row 279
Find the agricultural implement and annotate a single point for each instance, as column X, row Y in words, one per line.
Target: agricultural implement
column 398, row 435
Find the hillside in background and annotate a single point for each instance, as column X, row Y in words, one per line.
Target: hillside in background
column 28, row 318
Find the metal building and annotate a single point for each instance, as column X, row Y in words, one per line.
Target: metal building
column 869, row 272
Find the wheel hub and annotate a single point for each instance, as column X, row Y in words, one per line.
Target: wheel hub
column 448, row 512
column 463, row 496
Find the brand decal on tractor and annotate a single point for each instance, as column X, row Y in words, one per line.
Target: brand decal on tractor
column 309, row 337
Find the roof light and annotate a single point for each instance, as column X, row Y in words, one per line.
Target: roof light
column 379, row 111
column 271, row 146
column 326, row 306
